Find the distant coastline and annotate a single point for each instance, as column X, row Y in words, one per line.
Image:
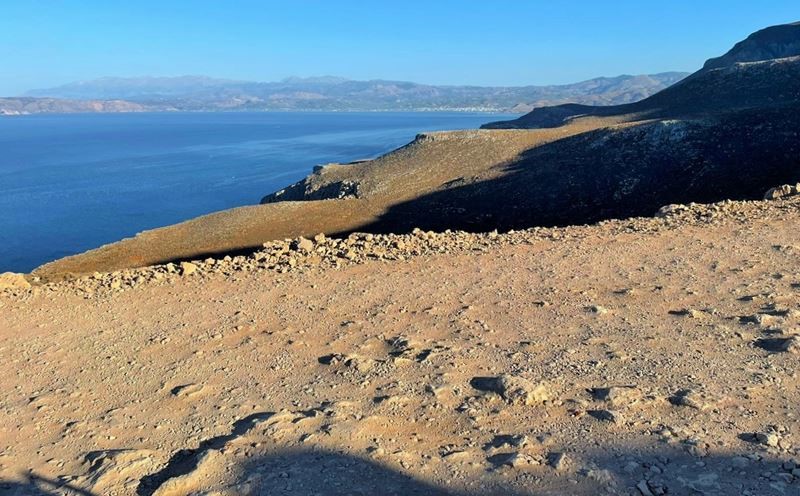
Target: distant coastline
column 326, row 94
column 4, row 113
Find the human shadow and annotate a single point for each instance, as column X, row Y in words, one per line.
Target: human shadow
column 677, row 468
column 669, row 470
column 296, row 472
column 37, row 485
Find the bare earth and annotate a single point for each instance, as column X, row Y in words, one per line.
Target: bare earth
column 651, row 356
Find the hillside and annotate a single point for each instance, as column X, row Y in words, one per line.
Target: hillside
column 610, row 306
column 331, row 93
column 648, row 356
column 761, row 71
column 775, row 42
column 728, row 133
column 23, row 106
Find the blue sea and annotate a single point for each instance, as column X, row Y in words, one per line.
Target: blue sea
column 69, row 183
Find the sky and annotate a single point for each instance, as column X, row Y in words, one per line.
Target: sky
column 44, row 43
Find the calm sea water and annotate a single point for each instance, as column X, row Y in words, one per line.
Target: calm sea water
column 69, row 183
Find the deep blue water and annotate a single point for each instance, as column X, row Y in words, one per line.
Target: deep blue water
column 69, row 183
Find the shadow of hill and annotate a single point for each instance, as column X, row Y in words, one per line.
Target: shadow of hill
column 618, row 173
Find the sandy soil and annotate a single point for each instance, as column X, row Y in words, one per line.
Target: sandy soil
column 625, row 358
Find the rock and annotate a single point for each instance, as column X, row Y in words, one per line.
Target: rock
column 601, row 477
column 513, row 460
column 791, row 345
column 331, row 359
column 769, row 438
column 644, row 488
column 693, row 398
column 187, row 390
column 11, row 280
column 188, row 268
column 402, row 348
column 515, row 390
column 670, row 210
column 599, row 310
column 303, row 245
column 688, row 312
column 783, row 191
column 617, row 396
column 355, row 362
column 631, row 467
column 188, row 481
column 457, row 455
column 502, row 441
column 740, row 462
column 612, row 416
column 779, row 345
column 558, row 461
column 760, row 319
column 110, row 471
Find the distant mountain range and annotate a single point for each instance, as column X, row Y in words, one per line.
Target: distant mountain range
column 28, row 105
column 196, row 93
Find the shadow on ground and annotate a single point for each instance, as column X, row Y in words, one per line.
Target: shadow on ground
column 35, row 485
column 665, row 470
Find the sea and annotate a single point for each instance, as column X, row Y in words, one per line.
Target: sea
column 72, row 182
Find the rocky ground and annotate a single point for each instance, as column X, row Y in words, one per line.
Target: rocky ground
column 640, row 357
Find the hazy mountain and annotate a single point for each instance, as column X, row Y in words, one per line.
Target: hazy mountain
column 333, row 93
column 26, row 105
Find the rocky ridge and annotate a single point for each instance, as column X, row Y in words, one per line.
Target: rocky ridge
column 321, row 251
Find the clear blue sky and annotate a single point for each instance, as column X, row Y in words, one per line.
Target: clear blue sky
column 488, row 42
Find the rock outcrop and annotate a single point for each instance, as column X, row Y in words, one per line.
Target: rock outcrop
column 318, row 186
column 776, row 42
column 10, row 280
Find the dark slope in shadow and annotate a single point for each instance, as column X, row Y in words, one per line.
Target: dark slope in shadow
column 619, row 173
